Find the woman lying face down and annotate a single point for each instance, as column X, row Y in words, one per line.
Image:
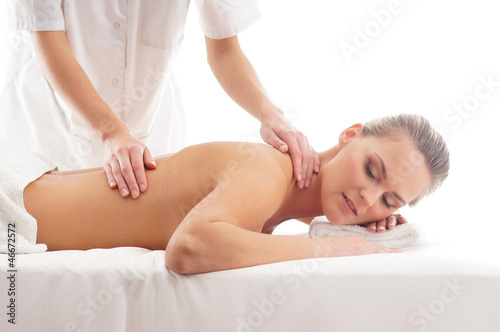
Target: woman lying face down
column 214, row 205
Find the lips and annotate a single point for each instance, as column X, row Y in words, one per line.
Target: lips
column 349, row 205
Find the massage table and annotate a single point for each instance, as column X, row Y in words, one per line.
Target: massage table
column 435, row 287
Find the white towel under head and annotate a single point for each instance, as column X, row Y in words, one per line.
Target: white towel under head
column 19, row 167
column 402, row 236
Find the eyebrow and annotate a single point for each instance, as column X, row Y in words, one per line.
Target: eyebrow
column 384, row 173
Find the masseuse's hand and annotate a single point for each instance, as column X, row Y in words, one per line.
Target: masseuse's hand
column 386, row 224
column 283, row 136
column 124, row 162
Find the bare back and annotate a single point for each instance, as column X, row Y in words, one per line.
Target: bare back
column 79, row 211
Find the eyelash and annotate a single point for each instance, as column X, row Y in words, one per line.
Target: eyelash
column 370, row 174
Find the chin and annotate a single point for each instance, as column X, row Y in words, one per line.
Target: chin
column 333, row 219
column 336, row 213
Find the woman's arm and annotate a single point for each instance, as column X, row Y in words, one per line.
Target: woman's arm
column 223, row 230
column 125, row 154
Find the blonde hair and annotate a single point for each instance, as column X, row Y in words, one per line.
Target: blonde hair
column 427, row 140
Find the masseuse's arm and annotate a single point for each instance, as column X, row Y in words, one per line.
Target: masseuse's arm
column 240, row 81
column 125, row 155
column 223, row 230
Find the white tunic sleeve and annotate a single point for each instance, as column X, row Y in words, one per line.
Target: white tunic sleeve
column 221, row 19
column 36, row 15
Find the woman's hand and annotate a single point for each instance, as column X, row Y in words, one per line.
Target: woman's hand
column 386, row 224
column 350, row 245
column 125, row 158
column 283, row 136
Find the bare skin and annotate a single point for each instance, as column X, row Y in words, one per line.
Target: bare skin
column 76, row 210
column 127, row 158
column 222, row 200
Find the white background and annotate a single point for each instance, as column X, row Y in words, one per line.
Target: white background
column 428, row 58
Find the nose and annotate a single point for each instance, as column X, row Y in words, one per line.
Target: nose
column 369, row 196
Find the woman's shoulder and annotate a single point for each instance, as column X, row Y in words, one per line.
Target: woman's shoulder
column 229, row 154
column 255, row 154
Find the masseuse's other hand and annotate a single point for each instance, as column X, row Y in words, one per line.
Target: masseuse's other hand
column 386, row 224
column 283, row 136
column 125, row 159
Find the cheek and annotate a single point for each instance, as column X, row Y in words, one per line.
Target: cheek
column 332, row 212
column 343, row 174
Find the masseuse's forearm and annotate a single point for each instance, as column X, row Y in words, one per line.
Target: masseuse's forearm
column 222, row 246
column 70, row 81
column 238, row 78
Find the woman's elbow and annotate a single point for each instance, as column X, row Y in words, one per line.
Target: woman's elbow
column 180, row 254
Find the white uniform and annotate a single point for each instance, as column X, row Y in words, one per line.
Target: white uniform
column 127, row 49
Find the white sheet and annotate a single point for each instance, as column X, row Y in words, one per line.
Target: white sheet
column 18, row 167
column 129, row 289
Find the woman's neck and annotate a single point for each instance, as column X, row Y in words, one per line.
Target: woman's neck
column 303, row 203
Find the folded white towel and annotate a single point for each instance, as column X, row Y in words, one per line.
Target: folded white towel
column 19, row 167
column 402, row 236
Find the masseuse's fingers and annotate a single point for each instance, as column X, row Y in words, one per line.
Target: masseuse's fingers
column 317, row 162
column 125, row 161
column 117, row 175
column 285, row 137
column 149, row 160
column 298, row 161
column 138, row 171
column 140, row 158
column 281, row 135
column 302, row 159
column 307, row 161
column 274, row 132
column 109, row 175
column 127, row 168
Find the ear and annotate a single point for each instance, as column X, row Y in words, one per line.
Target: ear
column 350, row 133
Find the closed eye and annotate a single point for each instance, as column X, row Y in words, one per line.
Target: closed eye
column 369, row 171
column 386, row 202
column 370, row 174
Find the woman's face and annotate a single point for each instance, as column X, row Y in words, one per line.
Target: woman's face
column 371, row 177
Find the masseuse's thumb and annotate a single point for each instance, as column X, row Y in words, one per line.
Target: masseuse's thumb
column 275, row 141
column 149, row 161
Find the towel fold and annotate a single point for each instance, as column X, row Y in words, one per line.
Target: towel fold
column 18, row 167
column 402, row 236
